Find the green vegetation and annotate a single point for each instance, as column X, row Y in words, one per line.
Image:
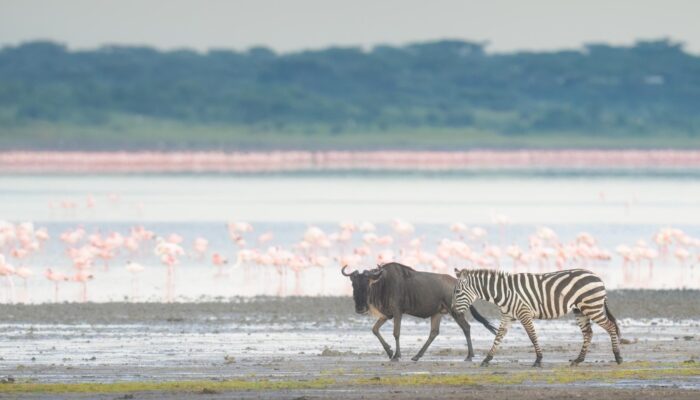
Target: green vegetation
column 643, row 371
column 133, row 133
column 442, row 94
column 175, row 386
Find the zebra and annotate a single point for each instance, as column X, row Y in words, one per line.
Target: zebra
column 539, row 296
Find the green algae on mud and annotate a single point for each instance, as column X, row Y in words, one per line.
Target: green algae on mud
column 639, row 371
column 168, row 386
column 642, row 371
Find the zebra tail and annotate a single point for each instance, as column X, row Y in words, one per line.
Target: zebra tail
column 483, row 320
column 612, row 318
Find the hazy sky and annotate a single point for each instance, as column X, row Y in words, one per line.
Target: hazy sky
column 288, row 25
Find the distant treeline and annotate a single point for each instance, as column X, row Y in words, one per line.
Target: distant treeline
column 649, row 88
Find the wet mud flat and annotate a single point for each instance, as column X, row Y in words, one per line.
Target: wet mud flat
column 318, row 348
column 627, row 303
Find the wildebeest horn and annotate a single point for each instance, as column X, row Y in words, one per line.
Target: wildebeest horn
column 342, row 271
column 457, row 271
column 376, row 274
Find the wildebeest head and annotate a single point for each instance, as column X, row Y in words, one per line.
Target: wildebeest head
column 360, row 286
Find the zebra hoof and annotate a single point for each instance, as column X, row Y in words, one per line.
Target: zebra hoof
column 618, row 359
column 484, row 363
column 576, row 362
column 537, row 364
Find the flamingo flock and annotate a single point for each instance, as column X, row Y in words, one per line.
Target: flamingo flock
column 276, row 161
column 93, row 255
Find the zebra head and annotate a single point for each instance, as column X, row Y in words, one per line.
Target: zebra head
column 464, row 293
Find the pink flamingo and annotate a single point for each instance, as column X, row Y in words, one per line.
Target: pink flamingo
column 493, row 252
column 516, row 254
column 175, row 238
column 459, row 229
column 236, row 231
column 477, row 234
column 367, row 227
column 19, row 254
column 265, row 237
column 501, row 221
column 132, row 244
column 168, row 253
column 297, row 264
column 681, row 255
column 82, row 277
column 72, row 237
column 55, row 277
column 24, row 273
column 42, row 235
column 170, row 261
column 200, row 246
column 219, row 262
column 90, row 201
column 135, row 269
column 7, row 271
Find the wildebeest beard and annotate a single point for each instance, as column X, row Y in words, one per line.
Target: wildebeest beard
column 360, row 288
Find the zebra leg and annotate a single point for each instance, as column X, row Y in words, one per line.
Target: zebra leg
column 606, row 323
column 397, row 333
column 506, row 320
column 462, row 322
column 434, row 331
column 375, row 330
column 585, row 324
column 526, row 320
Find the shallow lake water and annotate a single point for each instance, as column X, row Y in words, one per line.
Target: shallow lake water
column 615, row 209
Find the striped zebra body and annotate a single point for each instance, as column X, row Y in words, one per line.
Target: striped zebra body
column 525, row 297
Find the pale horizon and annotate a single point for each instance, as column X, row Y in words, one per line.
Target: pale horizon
column 507, row 26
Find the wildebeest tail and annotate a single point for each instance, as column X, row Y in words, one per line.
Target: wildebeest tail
column 483, row 320
column 611, row 318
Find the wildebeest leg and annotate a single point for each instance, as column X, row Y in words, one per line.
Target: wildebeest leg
column 462, row 322
column 375, row 330
column 397, row 333
column 434, row 331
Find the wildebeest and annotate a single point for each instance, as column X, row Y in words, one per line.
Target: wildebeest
column 393, row 289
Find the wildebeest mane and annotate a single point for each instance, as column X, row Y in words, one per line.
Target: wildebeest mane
column 406, row 271
column 387, row 289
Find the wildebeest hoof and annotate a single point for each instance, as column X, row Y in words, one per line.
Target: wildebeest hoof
column 395, row 358
column 415, row 358
column 469, row 358
column 390, row 353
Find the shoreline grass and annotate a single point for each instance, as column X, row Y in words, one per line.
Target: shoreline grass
column 641, row 371
column 129, row 133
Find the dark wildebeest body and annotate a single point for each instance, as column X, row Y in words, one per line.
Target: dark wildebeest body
column 393, row 289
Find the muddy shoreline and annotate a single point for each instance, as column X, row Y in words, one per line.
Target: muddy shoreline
column 638, row 304
column 278, row 348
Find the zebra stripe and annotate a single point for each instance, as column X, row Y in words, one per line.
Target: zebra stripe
column 525, row 297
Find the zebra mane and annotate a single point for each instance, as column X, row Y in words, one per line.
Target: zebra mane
column 484, row 271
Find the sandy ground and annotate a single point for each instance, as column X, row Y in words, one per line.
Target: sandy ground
column 306, row 339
